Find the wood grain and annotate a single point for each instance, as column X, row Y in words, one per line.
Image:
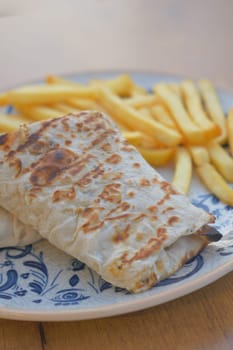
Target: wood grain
column 190, row 38
column 200, row 321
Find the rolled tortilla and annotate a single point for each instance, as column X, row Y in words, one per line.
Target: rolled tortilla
column 79, row 183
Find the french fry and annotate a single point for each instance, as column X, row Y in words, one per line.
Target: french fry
column 138, row 90
column 183, row 170
column 160, row 114
column 53, row 79
column 146, row 113
column 134, row 137
column 141, row 101
column 215, row 183
column 222, row 161
column 10, row 122
column 230, row 130
column 119, row 111
column 64, row 107
column 194, row 106
column 157, row 157
column 43, row 94
column 39, row 113
column 150, row 142
column 122, row 85
column 199, row 155
column 3, row 99
column 84, row 104
column 213, row 107
column 192, row 134
column 175, row 88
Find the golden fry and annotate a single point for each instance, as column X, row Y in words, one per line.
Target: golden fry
column 3, row 99
column 183, row 170
column 84, row 104
column 141, row 101
column 119, row 111
column 213, row 107
column 145, row 112
column 64, row 107
column 193, row 103
column 199, row 155
column 39, row 113
column 121, row 85
column 157, row 157
column 10, row 122
column 134, row 137
column 215, row 183
column 192, row 134
column 43, row 94
column 175, row 88
column 230, row 130
column 222, row 161
column 160, row 114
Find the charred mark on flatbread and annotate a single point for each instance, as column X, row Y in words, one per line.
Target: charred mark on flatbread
column 144, row 182
column 121, row 235
column 173, row 220
column 68, row 194
column 111, row 193
column 114, row 159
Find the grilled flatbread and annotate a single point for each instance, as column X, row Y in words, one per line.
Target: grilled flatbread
column 78, row 183
column 13, row 232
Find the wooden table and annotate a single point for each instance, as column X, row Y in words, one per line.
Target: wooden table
column 182, row 37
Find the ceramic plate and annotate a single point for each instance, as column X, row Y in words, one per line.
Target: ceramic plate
column 38, row 282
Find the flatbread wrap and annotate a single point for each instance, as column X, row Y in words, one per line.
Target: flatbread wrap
column 15, row 233
column 78, row 183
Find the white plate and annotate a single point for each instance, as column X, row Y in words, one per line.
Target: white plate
column 41, row 283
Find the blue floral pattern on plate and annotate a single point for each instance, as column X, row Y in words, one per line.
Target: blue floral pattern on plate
column 40, row 277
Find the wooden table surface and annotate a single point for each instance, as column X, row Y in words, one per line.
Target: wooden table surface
column 192, row 38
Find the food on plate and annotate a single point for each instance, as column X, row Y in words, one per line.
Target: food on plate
column 213, row 107
column 193, row 134
column 221, row 159
column 230, row 130
column 193, row 103
column 215, row 183
column 78, row 183
column 174, row 115
column 13, row 232
column 183, row 170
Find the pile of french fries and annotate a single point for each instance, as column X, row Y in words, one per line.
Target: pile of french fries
column 183, row 122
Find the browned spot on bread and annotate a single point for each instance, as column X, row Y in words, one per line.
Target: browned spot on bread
column 164, row 211
column 114, row 159
column 153, row 208
column 144, row 182
column 117, row 217
column 128, row 148
column 172, row 220
column 136, row 165
column 106, row 147
column 112, row 176
column 88, row 177
column 161, row 232
column 121, row 235
column 111, row 193
column 159, row 265
column 43, row 176
column 140, row 236
column 68, row 194
column 17, row 165
column 131, row 194
column 68, row 142
column 65, row 124
column 139, row 217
